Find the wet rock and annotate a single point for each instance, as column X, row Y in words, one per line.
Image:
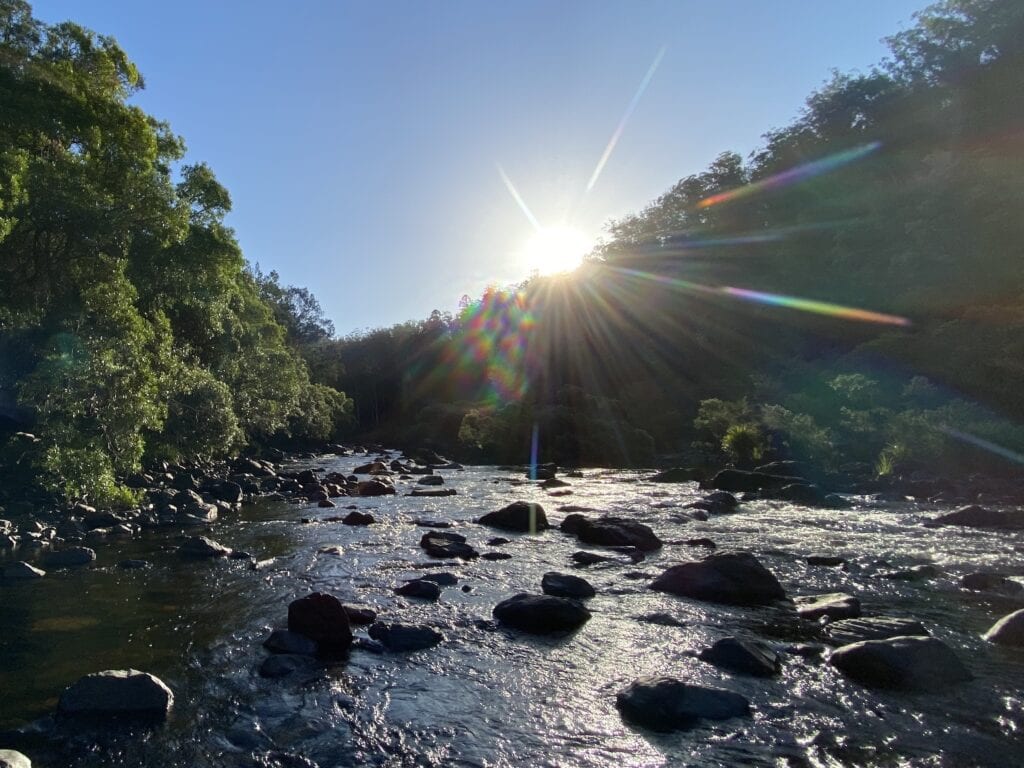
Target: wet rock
column 376, row 487
column 834, row 606
column 542, row 471
column 902, row 662
column 359, row 614
column 326, row 503
column 701, row 542
column 423, row 523
column 69, row 558
column 433, row 493
column 805, row 650
column 444, row 578
column 677, row 475
column 735, row 578
column 827, row 560
column 430, row 480
column 610, row 531
column 667, row 704
column 991, row 582
column 322, row 619
column 722, row 498
column 497, row 541
column 1009, row 630
column 284, row 664
column 976, row 516
column 19, row 570
column 286, row 641
column 130, row 565
column 496, row 556
column 554, row 482
column 447, row 545
column 358, row 518
column 914, row 573
column 847, row 631
column 117, row 693
column 403, row 638
column 745, row 657
column 11, row 759
column 200, row 547
column 737, row 480
column 661, row 618
column 225, row 490
column 591, row 558
column 805, row 495
column 565, row 585
column 521, row 516
column 372, row 468
column 541, row 614
column 424, row 590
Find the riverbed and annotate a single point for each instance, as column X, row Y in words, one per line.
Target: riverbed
column 488, row 696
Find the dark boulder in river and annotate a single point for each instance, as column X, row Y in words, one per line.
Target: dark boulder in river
column 403, row 638
column 68, row 558
column 321, row 618
column 904, row 663
column 1009, row 630
column 667, row 704
column 735, row 578
column 980, row 517
column 745, row 657
column 442, row 544
column 200, row 547
column 521, row 516
column 565, row 585
column 610, row 531
column 738, row 480
column 117, row 693
column 540, row 614
column 677, row 475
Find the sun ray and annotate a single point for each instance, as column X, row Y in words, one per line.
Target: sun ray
column 519, row 199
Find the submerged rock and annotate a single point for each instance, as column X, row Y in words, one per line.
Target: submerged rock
column 1009, row 630
column 321, row 618
column 360, row 615
column 735, row 578
column 424, row 590
column 565, row 585
column 286, row 641
column 69, row 558
column 199, row 547
column 995, row 582
column 521, row 516
column 668, row 704
column 975, row 516
column 284, row 664
column 834, row 605
column 117, row 693
column 746, row 657
column 830, row 561
column 590, row 558
column 906, row 663
column 848, row 631
column 403, row 638
column 19, row 570
column 737, row 480
column 540, row 614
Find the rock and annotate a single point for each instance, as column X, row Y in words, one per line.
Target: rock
column 434, row 493
column 975, row 516
column 19, row 570
column 430, row 480
column 667, row 704
column 1009, row 630
column 737, row 480
column 442, row 544
column 130, row 565
column 519, row 516
column 326, row 503
column 722, row 498
column 372, row 468
column 69, row 558
column 444, row 578
column 834, row 605
column 117, row 693
column 914, row 573
column 403, row 638
column 199, row 547
column 358, row 518
column 661, row 618
column 610, row 531
column 424, row 590
column 541, row 614
column 746, row 657
column 322, row 619
column 677, row 475
column 423, row 523
column 735, row 578
column 284, row 664
column 376, row 487
column 497, row 541
column 225, row 490
column 995, row 582
column 496, row 556
column 701, row 542
column 360, row 615
column 902, row 662
column 11, row 759
column 286, row 641
column 826, row 560
column 542, row 471
column 565, row 585
column 848, row 631
column 591, row 558
column 804, row 494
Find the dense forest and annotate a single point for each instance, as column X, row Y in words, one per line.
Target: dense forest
column 849, row 294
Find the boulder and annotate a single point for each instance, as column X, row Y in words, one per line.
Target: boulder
column 994, row 582
column 667, row 704
column 521, row 516
column 424, row 590
column 830, row 561
column 321, row 618
column 444, row 578
column 496, row 556
column 442, row 544
column 117, row 693
column 1009, row 630
column 200, row 547
column 541, row 614
column 286, row 641
column 834, row 606
column 69, row 558
column 19, row 570
column 225, row 490
column 975, row 516
column 430, row 480
column 846, row 631
column 735, row 578
column 903, row 662
column 375, row 487
column 805, row 495
column 433, row 493
column 914, row 573
column 722, row 498
column 610, row 531
column 372, row 468
column 745, row 657
column 284, row 664
column 11, row 759
column 702, row 541
column 565, row 585
column 738, row 480
column 403, row 638
column 677, row 475
column 358, row 518
column 591, row 558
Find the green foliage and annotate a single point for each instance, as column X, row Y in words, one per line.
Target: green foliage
column 745, row 443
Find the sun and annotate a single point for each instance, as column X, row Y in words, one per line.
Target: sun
column 554, row 250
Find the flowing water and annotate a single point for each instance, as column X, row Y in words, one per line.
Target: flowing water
column 492, row 697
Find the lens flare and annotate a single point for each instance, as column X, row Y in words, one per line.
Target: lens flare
column 794, row 175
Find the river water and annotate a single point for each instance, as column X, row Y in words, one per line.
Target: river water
column 493, row 697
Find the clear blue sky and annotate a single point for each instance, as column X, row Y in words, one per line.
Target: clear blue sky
column 360, row 140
